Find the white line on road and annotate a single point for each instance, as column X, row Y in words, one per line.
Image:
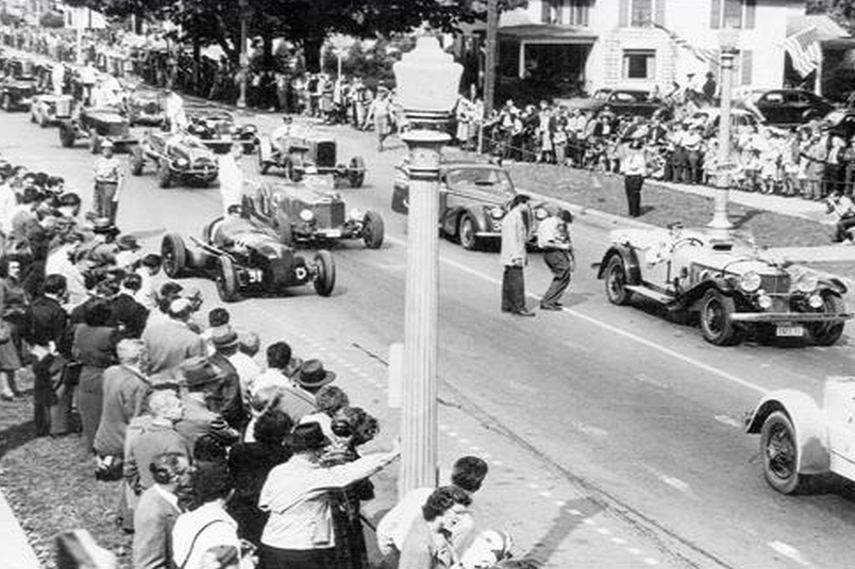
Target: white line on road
column 614, row 329
column 790, row 552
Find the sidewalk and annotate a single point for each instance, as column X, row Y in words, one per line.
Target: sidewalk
column 18, row 553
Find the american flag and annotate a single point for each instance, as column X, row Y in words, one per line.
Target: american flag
column 707, row 56
column 803, row 47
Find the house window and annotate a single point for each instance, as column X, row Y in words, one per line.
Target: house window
column 732, row 13
column 641, row 13
column 639, row 64
column 550, row 11
column 579, row 12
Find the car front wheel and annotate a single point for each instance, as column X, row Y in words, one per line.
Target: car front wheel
column 466, row 232
column 828, row 333
column 227, row 281
column 780, row 454
column 164, row 174
column 615, row 281
column 174, row 255
column 325, row 276
column 716, row 323
column 372, row 230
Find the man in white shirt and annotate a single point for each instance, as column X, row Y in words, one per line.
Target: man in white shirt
column 553, row 237
column 173, row 107
column 157, row 510
column 59, row 262
column 108, row 180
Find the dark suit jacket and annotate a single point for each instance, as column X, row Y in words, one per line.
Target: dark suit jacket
column 225, row 394
column 154, row 518
column 130, row 314
column 48, row 321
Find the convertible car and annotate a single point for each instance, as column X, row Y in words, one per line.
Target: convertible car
column 144, row 105
column 96, row 125
column 801, row 437
column 177, row 157
column 731, row 285
column 311, row 211
column 219, row 131
column 19, row 85
column 303, row 154
column 245, row 257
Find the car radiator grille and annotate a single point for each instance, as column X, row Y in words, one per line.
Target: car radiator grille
column 326, row 154
column 330, row 215
column 63, row 108
column 775, row 283
column 205, row 163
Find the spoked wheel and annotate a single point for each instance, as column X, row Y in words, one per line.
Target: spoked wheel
column 174, row 255
column 227, row 281
column 466, row 233
column 716, row 323
column 780, row 454
column 616, row 282
column 827, row 333
column 325, row 277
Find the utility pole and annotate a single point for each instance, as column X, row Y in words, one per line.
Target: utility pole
column 491, row 49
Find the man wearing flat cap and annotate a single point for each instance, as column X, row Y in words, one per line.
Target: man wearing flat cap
column 170, row 340
column 200, row 381
column 228, row 398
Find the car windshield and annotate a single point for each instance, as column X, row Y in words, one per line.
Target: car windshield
column 487, row 179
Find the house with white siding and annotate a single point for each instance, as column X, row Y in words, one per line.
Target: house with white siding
column 641, row 43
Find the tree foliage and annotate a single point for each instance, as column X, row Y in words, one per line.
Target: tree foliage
column 842, row 11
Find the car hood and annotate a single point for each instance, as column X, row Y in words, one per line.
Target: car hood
column 308, row 195
column 107, row 116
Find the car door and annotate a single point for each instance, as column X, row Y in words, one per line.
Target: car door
column 771, row 105
column 797, row 107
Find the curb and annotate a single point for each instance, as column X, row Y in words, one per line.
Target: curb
column 19, row 554
column 594, row 217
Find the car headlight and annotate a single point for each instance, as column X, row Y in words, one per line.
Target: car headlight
column 815, row 301
column 750, row 281
column 807, row 283
column 182, row 162
column 540, row 214
column 764, row 301
column 250, row 128
column 307, row 215
column 497, row 213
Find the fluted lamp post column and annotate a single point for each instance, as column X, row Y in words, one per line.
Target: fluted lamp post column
column 427, row 82
column 720, row 222
column 244, row 56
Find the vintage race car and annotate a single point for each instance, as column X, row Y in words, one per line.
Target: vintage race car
column 46, row 110
column 97, row 125
column 733, row 288
column 304, row 154
column 217, row 129
column 18, row 88
column 245, row 257
column 177, row 157
column 473, row 198
column 144, row 105
column 800, row 438
column 311, row 212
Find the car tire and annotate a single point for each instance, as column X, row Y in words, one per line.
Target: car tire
column 66, row 135
column 7, row 102
column 164, row 175
column 372, row 229
column 32, row 118
column 174, row 255
column 325, row 277
column 227, row 281
column 466, row 233
column 615, row 280
column 716, row 324
column 42, row 121
column 137, row 161
column 780, row 453
column 282, row 226
column 828, row 333
column 356, row 172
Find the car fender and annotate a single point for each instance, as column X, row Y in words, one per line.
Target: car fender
column 477, row 216
column 630, row 262
column 809, row 423
column 693, row 296
column 835, row 284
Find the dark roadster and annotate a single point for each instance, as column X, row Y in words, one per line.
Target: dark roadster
column 144, row 105
column 306, row 155
column 245, row 258
column 96, row 126
column 310, row 212
column 177, row 157
column 219, row 131
column 18, row 87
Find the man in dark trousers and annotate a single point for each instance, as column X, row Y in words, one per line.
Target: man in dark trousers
column 515, row 230
column 553, row 237
column 634, row 170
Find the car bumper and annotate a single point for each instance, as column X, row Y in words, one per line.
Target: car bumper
column 488, row 234
column 789, row 317
column 201, row 175
column 122, row 141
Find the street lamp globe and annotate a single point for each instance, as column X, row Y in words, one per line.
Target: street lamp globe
column 427, row 81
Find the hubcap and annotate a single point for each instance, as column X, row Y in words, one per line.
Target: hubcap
column 780, row 452
column 616, row 282
column 466, row 232
column 714, row 316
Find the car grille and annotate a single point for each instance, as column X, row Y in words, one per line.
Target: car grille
column 775, row 283
column 151, row 108
column 326, row 154
column 203, row 163
column 330, row 214
column 63, row 108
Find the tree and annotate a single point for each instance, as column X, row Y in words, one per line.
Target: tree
column 842, row 11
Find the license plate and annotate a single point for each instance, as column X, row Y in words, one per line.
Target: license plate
column 332, row 233
column 789, row 331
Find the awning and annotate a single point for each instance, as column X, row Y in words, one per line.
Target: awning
column 549, row 32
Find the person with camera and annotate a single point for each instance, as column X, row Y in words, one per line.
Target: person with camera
column 844, row 209
column 553, row 237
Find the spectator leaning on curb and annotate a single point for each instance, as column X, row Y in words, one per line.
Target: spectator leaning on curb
column 553, row 237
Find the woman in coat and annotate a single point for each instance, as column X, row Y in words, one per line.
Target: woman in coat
column 13, row 307
column 94, row 347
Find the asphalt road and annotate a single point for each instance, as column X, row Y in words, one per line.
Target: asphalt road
column 636, row 414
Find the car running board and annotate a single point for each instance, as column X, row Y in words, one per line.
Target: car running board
column 650, row 293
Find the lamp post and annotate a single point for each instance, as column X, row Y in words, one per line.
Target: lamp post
column 427, row 81
column 244, row 57
column 720, row 223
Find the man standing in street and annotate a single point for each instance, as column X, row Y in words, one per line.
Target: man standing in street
column 108, row 178
column 634, row 170
column 553, row 236
column 515, row 228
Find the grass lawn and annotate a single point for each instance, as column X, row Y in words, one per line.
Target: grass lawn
column 51, row 487
column 661, row 206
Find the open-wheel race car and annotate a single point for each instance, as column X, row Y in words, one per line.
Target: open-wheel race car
column 801, row 438
column 732, row 287
column 178, row 158
column 311, row 212
column 301, row 155
column 245, row 258
column 218, row 130
column 96, row 126
column 46, row 110
column 18, row 87
column 144, row 105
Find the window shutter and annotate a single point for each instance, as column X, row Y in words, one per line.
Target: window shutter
column 750, row 14
column 715, row 14
column 623, row 17
column 659, row 14
column 746, row 66
column 545, row 11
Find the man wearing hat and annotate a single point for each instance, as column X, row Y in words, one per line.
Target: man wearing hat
column 228, row 398
column 128, row 315
column 515, row 232
column 170, row 340
column 127, row 252
column 108, row 179
column 200, row 380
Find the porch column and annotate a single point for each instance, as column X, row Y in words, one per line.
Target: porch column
column 521, row 70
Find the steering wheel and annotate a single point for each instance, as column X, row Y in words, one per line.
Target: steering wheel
column 690, row 240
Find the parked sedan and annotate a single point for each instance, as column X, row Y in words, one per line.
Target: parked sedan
column 635, row 102
column 792, row 106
